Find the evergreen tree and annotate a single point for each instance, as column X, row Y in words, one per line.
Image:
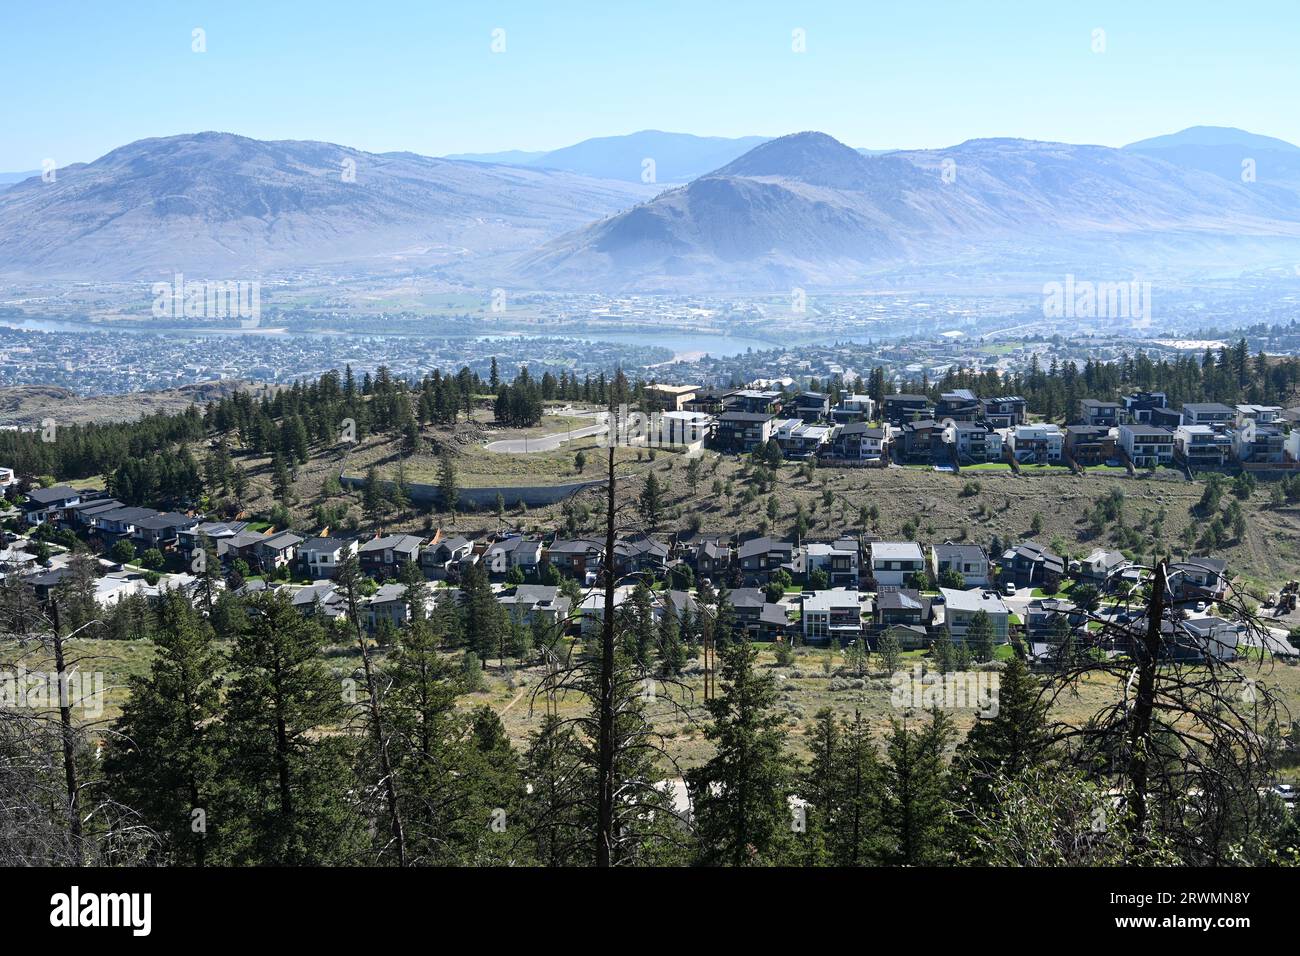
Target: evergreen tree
column 915, row 806
column 740, row 794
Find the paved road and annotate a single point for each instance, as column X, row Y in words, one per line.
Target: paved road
column 521, row 446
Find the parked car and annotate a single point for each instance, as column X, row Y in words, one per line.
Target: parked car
column 1009, row 589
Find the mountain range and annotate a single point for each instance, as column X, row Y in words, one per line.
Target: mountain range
column 759, row 215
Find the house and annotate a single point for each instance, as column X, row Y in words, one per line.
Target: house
column 163, row 530
column 1094, row 412
column 1215, row 414
column 839, row 560
column 536, row 602
column 747, row 607
column 854, row 408
column 1005, row 411
column 1147, row 446
column 1031, row 565
column 383, row 555
column 916, row 441
column 856, row 442
column 969, row 560
column 905, row 606
column 960, row 405
column 48, row 504
column 833, row 615
column 960, row 607
column 811, row 406
column 515, row 551
column 1139, row 405
column 974, row 442
column 576, row 557
column 902, row 408
column 187, row 539
column 893, row 561
column 1090, row 444
column 122, row 522
column 321, row 556
column 1199, row 579
column 1169, row 418
column 909, row 637
column 7, row 478
column 439, row 558
column 755, row 401
column 387, row 605
column 759, row 558
column 671, row 398
column 1200, row 446
column 83, row 513
column 1042, row 615
column 1260, row 443
column 742, row 431
column 712, row 555
column 275, row 551
column 1259, row 414
column 1098, row 567
column 322, row 599
column 709, row 400
column 642, row 554
column 801, row 440
column 1036, row 444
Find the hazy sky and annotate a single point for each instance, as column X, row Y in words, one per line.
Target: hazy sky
column 80, row 78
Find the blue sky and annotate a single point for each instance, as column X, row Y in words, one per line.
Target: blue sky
column 80, row 78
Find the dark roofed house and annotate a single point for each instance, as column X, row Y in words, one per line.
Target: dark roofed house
column 45, row 504
column 902, row 606
column 742, row 431
column 811, row 406
column 901, row 408
column 1005, row 411
column 713, row 555
column 1030, row 565
column 1090, row 444
column 440, row 558
column 638, row 554
column 276, row 551
column 968, row 560
column 575, row 557
column 162, row 530
column 759, row 558
column 1095, row 412
column 960, row 405
column 383, row 555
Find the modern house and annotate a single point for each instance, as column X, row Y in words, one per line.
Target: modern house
column 810, row 406
column 1138, row 406
column 1004, row 411
column 1147, row 446
column 856, row 442
column 1030, row 564
column 893, row 561
column 975, row 442
column 854, row 408
column 834, row 615
column 575, row 557
column 383, row 555
column 516, row 551
column 1215, row 414
column 48, row 504
column 838, row 559
column 742, row 431
column 960, row 607
column 905, row 606
column 1098, row 567
column 960, row 405
column 968, row 560
column 1095, row 412
column 901, row 408
column 1200, row 446
column 1036, row 444
column 321, row 557
column 1090, row 444
column 438, row 560
column 761, row 557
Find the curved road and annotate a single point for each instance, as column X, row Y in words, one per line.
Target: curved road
column 520, row 446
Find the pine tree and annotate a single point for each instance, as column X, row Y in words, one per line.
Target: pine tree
column 162, row 758
column 286, row 800
column 740, row 794
column 980, row 637
column 915, row 806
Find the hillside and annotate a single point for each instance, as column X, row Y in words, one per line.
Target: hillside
column 805, row 209
column 228, row 205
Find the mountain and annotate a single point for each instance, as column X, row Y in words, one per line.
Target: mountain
column 678, row 157
column 510, row 157
column 217, row 205
column 1222, row 150
column 9, row 179
column 807, row 210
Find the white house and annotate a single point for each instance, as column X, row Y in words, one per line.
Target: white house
column 893, row 561
column 961, row 606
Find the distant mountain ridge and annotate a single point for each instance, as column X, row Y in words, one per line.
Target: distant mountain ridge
column 805, row 208
column 229, row 205
column 1228, row 153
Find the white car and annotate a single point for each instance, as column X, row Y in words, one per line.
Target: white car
column 1009, row 589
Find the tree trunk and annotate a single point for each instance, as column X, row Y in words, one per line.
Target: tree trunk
column 1143, row 707
column 68, row 740
column 605, row 753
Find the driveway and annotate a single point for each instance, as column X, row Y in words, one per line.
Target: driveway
column 548, row 442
